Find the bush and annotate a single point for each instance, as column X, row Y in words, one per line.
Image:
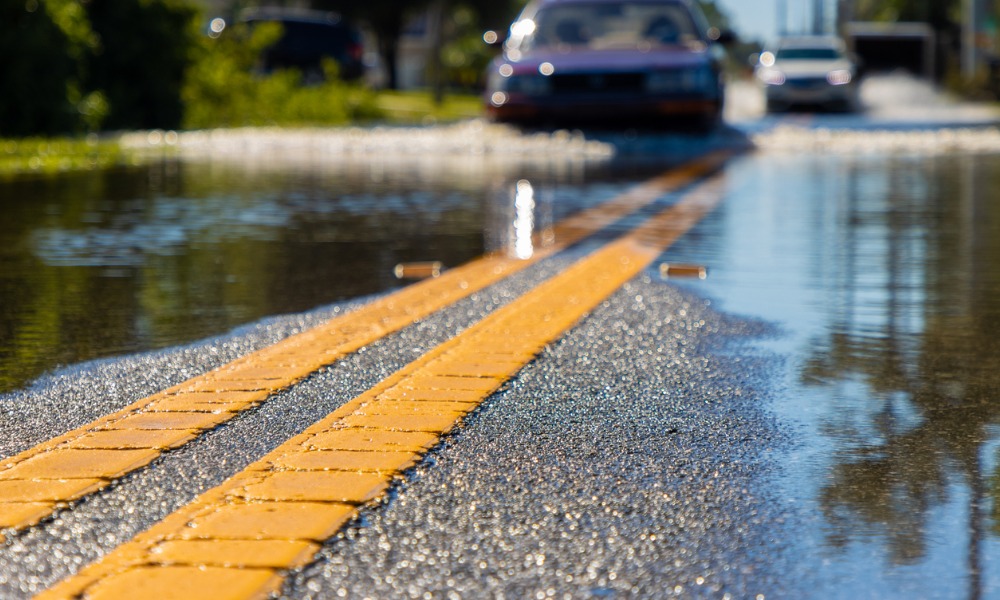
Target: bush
column 223, row 89
column 57, row 155
column 72, row 66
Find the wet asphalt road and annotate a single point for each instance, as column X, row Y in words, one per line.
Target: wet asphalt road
column 611, row 467
column 638, row 457
column 630, row 459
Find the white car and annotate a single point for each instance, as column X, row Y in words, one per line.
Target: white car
column 809, row 71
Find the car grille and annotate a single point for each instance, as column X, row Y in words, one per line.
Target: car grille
column 807, row 82
column 594, row 83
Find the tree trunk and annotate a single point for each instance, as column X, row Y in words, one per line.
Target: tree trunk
column 388, row 49
column 435, row 31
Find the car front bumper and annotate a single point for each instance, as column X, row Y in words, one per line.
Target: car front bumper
column 810, row 93
column 559, row 108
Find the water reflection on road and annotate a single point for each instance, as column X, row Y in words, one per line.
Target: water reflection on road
column 114, row 262
column 883, row 273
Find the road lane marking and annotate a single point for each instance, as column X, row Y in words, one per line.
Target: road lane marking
column 183, row 411
column 321, row 468
column 217, row 583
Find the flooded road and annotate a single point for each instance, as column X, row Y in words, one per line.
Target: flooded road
column 127, row 260
column 882, row 275
column 872, row 261
column 133, row 259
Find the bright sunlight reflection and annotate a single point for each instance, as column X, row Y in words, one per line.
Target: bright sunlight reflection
column 524, row 220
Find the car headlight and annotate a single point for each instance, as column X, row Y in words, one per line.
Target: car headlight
column 839, row 77
column 771, row 76
column 498, row 98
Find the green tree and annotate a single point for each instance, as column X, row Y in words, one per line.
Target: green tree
column 72, row 65
column 386, row 18
column 940, row 14
column 43, row 50
column 458, row 54
column 715, row 15
column 222, row 88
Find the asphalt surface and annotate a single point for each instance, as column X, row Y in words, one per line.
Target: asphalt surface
column 634, row 458
column 630, row 459
column 611, row 467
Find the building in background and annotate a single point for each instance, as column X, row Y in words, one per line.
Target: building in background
column 944, row 40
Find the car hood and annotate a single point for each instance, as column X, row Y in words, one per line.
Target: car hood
column 588, row 61
column 804, row 68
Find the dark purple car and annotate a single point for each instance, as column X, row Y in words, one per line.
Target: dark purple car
column 641, row 60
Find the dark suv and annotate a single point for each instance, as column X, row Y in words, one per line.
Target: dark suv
column 309, row 37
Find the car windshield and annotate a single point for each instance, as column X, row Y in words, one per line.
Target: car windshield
column 611, row 25
column 808, row 54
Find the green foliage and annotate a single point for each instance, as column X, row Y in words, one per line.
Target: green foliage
column 223, row 89
column 74, row 66
column 93, row 109
column 410, row 107
column 220, row 87
column 43, row 44
column 38, row 155
column 71, row 19
column 716, row 15
column 465, row 57
column 940, row 14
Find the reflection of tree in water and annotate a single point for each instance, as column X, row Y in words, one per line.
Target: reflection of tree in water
column 126, row 260
column 892, row 470
column 891, row 487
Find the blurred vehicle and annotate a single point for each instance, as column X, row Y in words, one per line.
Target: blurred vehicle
column 308, row 37
column 639, row 60
column 809, row 71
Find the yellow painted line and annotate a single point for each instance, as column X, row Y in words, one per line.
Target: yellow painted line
column 313, row 484
column 137, row 434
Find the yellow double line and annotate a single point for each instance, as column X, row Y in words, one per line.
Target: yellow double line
column 37, row 481
column 237, row 539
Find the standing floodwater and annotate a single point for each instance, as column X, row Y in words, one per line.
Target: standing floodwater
column 872, row 257
column 883, row 274
column 113, row 262
column 131, row 259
